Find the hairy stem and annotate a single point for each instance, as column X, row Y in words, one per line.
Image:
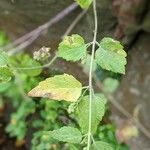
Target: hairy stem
column 90, row 75
column 39, row 67
column 74, row 23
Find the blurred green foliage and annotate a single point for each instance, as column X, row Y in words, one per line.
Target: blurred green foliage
column 40, row 116
column 106, row 133
column 3, row 39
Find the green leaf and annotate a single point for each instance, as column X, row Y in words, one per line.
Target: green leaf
column 18, row 126
column 17, row 129
column 72, row 48
column 110, row 84
column 30, row 63
column 25, row 63
column 59, row 87
column 84, row 3
column 5, row 74
column 67, row 134
column 3, row 58
column 112, row 45
column 111, row 56
column 98, row 110
column 99, row 145
column 4, row 86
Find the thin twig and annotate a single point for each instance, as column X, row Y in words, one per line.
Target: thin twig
column 74, row 23
column 29, row 41
column 31, row 36
column 90, row 75
column 24, row 44
column 121, row 109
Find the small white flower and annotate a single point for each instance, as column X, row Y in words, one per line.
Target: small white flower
column 42, row 54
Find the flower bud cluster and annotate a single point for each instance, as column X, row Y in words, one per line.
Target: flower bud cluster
column 42, row 54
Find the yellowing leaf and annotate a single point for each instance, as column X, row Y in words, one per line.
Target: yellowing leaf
column 126, row 132
column 59, row 87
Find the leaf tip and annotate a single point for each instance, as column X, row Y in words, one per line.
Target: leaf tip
column 30, row 93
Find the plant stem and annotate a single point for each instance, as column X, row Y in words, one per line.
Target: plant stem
column 90, row 75
column 121, row 109
column 39, row 67
column 74, row 23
